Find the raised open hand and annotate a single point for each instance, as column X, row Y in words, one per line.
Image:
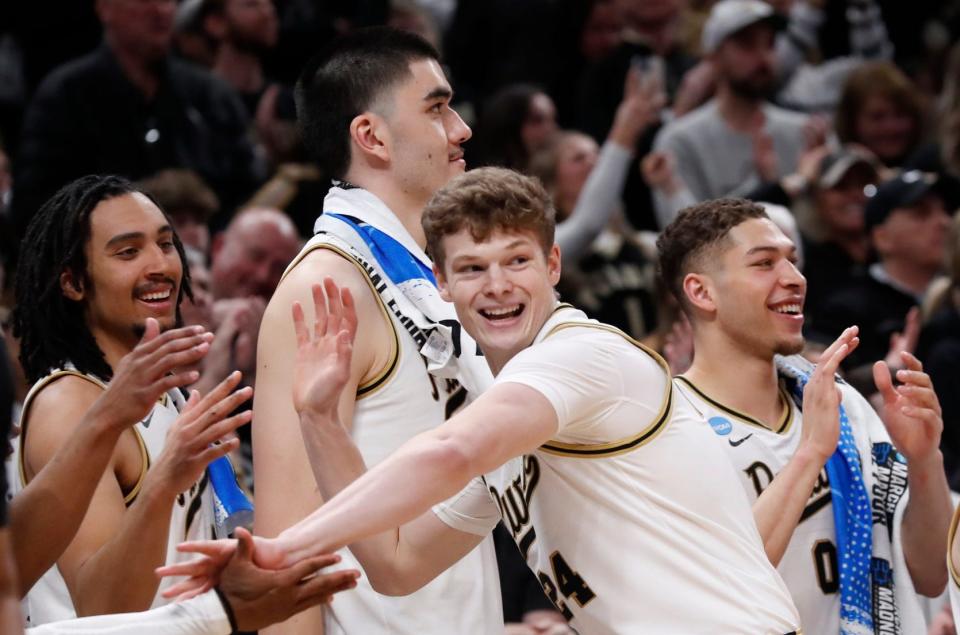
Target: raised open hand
column 911, row 411
column 191, row 441
column 148, row 371
column 322, row 367
column 821, row 397
column 905, row 340
column 643, row 99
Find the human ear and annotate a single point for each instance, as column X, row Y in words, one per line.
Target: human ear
column 698, row 291
column 442, row 286
column 71, row 286
column 369, row 133
column 553, row 264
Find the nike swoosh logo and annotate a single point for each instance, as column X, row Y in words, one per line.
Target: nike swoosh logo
column 738, row 442
column 146, row 422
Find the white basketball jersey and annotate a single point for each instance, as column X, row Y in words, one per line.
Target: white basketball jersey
column 809, row 564
column 630, row 517
column 403, row 401
column 191, row 517
column 953, row 585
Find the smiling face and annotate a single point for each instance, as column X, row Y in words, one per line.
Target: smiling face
column 840, row 207
column 502, row 289
column 133, row 271
column 751, row 290
column 423, row 133
column 885, row 128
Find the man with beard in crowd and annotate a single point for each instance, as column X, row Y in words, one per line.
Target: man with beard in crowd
column 737, row 140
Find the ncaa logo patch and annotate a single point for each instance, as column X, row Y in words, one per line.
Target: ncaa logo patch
column 720, row 425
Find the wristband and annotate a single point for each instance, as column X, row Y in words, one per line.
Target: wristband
column 227, row 609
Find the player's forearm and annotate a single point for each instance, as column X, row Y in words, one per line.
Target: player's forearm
column 334, row 458
column 46, row 515
column 778, row 509
column 926, row 523
column 110, row 580
column 336, row 462
column 426, row 470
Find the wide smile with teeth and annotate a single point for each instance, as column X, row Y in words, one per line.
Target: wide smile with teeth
column 502, row 313
column 156, row 296
column 788, row 309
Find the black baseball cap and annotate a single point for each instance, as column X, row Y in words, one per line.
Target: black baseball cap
column 903, row 190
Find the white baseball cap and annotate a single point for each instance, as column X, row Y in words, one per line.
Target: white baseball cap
column 729, row 16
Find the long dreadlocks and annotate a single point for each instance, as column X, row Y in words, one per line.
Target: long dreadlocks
column 52, row 328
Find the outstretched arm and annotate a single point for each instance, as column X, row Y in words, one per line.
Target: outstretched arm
column 46, row 515
column 779, row 508
column 912, row 415
column 425, row 471
column 507, row 421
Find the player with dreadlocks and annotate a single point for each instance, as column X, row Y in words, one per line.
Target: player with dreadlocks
column 105, row 271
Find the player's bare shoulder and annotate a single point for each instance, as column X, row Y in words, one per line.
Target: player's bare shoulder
column 375, row 343
column 54, row 409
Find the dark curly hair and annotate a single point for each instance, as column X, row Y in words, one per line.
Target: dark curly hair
column 696, row 230
column 51, row 327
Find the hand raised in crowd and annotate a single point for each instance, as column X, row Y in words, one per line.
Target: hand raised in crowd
column 697, row 86
column 260, row 597
column 904, row 341
column 192, row 439
column 764, row 153
column 322, row 367
column 643, row 99
column 247, row 313
column 821, row 397
column 148, row 371
column 233, row 347
column 910, row 411
column 659, row 171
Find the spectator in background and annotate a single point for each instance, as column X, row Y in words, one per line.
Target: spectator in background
column 607, row 270
column 907, row 223
column 188, row 202
column 835, row 239
column 514, row 124
column 250, row 256
column 738, row 140
column 651, row 40
column 880, row 109
column 247, row 262
column 939, row 350
column 244, row 31
column 131, row 108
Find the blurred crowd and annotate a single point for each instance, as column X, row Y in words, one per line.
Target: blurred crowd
column 842, row 117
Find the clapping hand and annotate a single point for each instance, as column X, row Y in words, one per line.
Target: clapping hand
column 821, row 397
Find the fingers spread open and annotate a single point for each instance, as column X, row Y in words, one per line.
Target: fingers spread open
column 881, row 377
column 299, row 325
column 320, row 307
column 335, row 306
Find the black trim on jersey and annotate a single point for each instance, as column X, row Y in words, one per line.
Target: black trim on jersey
column 623, row 447
column 613, row 448
column 787, row 408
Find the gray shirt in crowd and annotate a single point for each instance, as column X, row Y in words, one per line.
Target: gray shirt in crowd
column 714, row 160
